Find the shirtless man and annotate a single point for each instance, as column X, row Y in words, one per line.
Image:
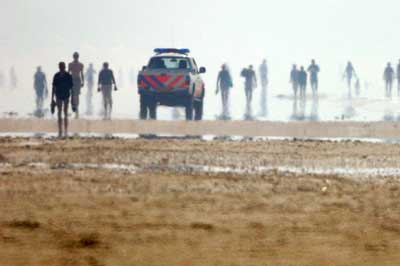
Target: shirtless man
column 75, row 68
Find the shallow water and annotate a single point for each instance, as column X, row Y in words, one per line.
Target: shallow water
column 361, row 174
column 183, row 137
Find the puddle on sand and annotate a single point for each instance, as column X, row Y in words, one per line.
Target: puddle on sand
column 204, row 137
column 355, row 173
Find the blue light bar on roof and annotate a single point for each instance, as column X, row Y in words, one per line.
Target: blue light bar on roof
column 171, row 50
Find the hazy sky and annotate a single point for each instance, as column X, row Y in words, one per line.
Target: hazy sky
column 125, row 32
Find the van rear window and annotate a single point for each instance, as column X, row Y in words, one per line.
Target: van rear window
column 169, row 63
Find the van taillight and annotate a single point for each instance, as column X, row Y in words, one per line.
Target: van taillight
column 186, row 83
column 141, row 83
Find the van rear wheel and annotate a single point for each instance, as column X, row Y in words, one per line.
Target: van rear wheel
column 143, row 107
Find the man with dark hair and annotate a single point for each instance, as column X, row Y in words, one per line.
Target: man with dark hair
column 106, row 82
column 388, row 76
column 224, row 83
column 348, row 75
column 250, row 83
column 398, row 79
column 40, row 86
column 61, row 93
column 264, row 86
column 294, row 79
column 314, row 71
column 75, row 68
column 302, row 78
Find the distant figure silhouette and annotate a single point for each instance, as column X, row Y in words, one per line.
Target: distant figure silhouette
column 398, row 79
column 348, row 75
column 314, row 70
column 302, row 78
column 263, row 70
column 294, row 79
column 40, row 86
column 13, row 79
column 76, row 68
column 224, row 84
column 90, row 77
column 61, row 93
column 388, row 76
column 106, row 82
column 250, row 83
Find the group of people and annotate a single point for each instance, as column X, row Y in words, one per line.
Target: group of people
column 299, row 77
column 225, row 83
column 67, row 85
column 389, row 75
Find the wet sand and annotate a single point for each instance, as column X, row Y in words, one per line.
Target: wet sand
column 142, row 202
column 217, row 128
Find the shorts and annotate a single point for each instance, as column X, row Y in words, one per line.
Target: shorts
column 63, row 97
column 76, row 89
column 107, row 93
column 40, row 92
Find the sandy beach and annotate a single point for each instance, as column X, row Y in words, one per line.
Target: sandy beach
column 308, row 129
column 193, row 202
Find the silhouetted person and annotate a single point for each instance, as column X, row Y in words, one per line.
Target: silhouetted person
column 76, row 68
column 106, row 82
column 224, row 84
column 90, row 81
column 250, row 83
column 314, row 70
column 302, row 78
column 348, row 75
column 388, row 76
column 61, row 93
column 264, row 86
column 40, row 86
column 294, row 80
column 13, row 79
column 398, row 79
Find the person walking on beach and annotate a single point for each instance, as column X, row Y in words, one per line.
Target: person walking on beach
column 89, row 75
column 60, row 95
column 302, row 79
column 40, row 86
column 348, row 74
column 106, row 82
column 250, row 83
column 398, row 79
column 314, row 70
column 388, row 76
column 294, row 80
column 224, row 84
column 264, row 86
column 76, row 68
